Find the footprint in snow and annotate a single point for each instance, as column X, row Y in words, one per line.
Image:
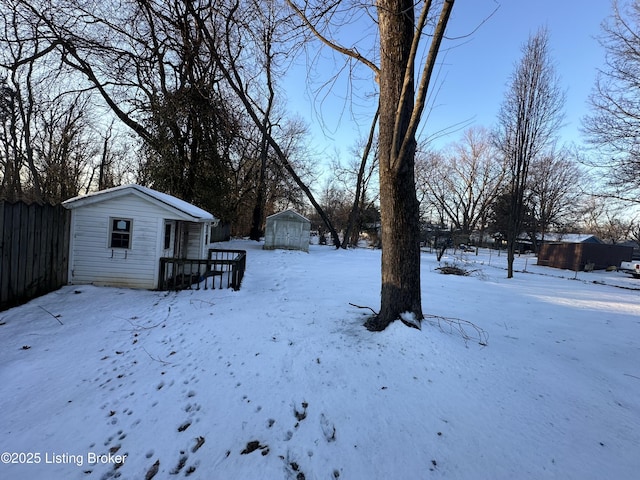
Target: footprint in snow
column 328, row 428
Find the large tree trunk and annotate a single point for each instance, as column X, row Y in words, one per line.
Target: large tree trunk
column 400, row 248
column 398, row 202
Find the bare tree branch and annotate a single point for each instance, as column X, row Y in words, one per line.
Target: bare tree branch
column 349, row 52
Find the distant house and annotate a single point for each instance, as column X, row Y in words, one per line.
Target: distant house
column 582, row 252
column 118, row 235
column 524, row 243
column 570, row 238
column 287, row 230
column 636, row 248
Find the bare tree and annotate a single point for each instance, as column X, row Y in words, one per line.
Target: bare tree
column 356, row 178
column 265, row 33
column 18, row 54
column 553, row 192
column 223, row 27
column 634, row 231
column 401, row 102
column 614, row 124
column 65, row 147
column 49, row 140
column 161, row 76
column 611, row 223
column 145, row 62
column 116, row 165
column 464, row 182
column 528, row 121
column 279, row 191
column 11, row 161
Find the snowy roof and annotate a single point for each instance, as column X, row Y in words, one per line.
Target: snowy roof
column 572, row 238
column 290, row 213
column 564, row 237
column 165, row 200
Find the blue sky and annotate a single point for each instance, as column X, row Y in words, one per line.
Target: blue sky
column 473, row 76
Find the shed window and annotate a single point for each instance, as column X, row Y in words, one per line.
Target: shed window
column 120, row 233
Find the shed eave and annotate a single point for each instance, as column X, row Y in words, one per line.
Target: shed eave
column 180, row 209
column 289, row 212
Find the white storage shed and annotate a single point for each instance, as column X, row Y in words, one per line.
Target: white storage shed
column 118, row 235
column 287, row 230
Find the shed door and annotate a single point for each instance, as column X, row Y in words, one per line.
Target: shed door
column 181, row 240
column 288, row 234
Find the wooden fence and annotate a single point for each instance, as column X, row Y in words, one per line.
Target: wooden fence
column 220, row 233
column 34, row 250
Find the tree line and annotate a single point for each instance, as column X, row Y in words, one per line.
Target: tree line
column 179, row 96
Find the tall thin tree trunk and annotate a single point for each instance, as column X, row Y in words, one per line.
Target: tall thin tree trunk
column 352, row 231
column 261, row 197
column 103, row 164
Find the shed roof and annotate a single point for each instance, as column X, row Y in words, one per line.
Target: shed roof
column 290, row 214
column 164, row 200
column 551, row 237
column 572, row 238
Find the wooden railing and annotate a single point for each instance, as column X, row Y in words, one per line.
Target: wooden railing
column 223, row 269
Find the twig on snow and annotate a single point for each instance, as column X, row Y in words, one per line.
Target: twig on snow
column 155, row 359
column 139, row 327
column 54, row 316
column 360, row 306
column 192, row 302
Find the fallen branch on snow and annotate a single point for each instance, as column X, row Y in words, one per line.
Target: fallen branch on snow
column 455, row 270
column 455, row 325
column 460, row 327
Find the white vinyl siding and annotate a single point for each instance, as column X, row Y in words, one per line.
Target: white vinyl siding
column 148, row 212
column 92, row 259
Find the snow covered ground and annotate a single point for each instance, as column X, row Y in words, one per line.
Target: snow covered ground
column 280, row 380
